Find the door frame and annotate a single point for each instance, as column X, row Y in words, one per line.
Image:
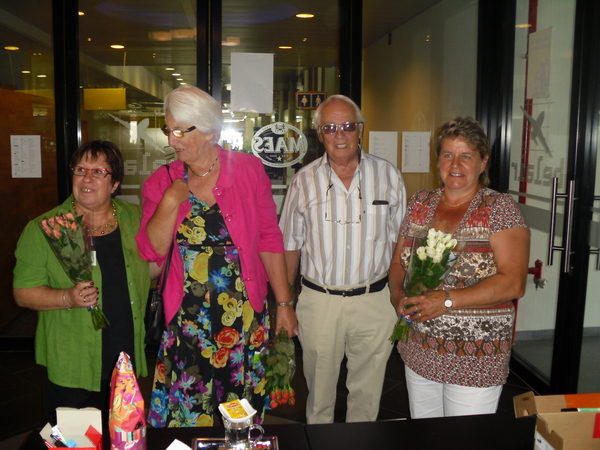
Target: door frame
column 494, row 104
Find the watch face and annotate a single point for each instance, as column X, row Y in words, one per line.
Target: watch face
column 448, row 303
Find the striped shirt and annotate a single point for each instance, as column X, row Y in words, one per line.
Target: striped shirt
column 354, row 245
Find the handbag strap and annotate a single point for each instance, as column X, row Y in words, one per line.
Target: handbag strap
column 165, row 272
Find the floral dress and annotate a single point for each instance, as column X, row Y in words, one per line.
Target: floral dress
column 210, row 351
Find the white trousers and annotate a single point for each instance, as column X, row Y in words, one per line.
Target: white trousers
column 359, row 327
column 431, row 399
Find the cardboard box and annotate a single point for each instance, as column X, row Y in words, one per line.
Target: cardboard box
column 528, row 404
column 557, row 430
column 83, row 426
column 567, row 431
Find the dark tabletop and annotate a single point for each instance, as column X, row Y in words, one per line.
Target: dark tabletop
column 487, row 432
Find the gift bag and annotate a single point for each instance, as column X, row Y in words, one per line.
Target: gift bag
column 126, row 423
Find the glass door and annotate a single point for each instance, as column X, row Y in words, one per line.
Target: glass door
column 544, row 38
column 553, row 183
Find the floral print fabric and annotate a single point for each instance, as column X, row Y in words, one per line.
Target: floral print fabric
column 469, row 347
column 210, row 352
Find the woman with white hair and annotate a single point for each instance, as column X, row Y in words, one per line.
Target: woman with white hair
column 213, row 211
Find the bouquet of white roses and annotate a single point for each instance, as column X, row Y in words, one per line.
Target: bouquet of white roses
column 429, row 265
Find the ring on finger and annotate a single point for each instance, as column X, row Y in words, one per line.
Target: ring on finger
column 420, row 315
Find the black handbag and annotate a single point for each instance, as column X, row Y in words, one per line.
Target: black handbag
column 155, row 307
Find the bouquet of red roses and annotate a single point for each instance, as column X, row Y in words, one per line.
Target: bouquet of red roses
column 280, row 365
column 69, row 241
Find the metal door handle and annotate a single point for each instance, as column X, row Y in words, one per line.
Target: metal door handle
column 566, row 248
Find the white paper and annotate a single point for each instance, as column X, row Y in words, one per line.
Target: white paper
column 385, row 145
column 415, row 151
column 178, row 445
column 26, row 156
column 252, row 82
column 538, row 64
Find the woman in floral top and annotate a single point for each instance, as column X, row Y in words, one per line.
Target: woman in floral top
column 458, row 348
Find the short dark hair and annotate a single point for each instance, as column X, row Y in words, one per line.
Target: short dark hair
column 97, row 149
column 470, row 131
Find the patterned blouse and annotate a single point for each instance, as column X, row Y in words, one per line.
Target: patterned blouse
column 466, row 347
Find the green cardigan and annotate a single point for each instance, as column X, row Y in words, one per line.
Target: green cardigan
column 66, row 342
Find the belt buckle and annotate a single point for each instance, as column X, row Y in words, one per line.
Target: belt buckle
column 348, row 292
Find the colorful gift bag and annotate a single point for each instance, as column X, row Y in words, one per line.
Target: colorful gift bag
column 126, row 423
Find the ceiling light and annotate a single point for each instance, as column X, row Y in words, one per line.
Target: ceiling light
column 176, row 74
column 285, row 47
column 179, row 79
column 117, row 46
column 169, row 68
column 41, row 75
column 523, row 25
column 11, row 47
column 162, row 36
column 231, row 41
column 305, row 16
column 25, row 71
column 81, row 13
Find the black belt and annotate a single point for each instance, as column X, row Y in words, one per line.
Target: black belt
column 375, row 287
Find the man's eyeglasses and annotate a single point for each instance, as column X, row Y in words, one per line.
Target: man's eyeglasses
column 96, row 173
column 327, row 202
column 176, row 132
column 346, row 127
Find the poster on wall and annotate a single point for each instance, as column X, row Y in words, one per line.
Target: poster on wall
column 26, row 156
column 252, row 82
column 385, row 145
column 415, row 151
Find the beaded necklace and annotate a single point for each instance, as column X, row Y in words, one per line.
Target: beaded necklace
column 106, row 225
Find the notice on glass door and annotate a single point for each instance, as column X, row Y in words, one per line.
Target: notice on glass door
column 415, row 151
column 26, row 156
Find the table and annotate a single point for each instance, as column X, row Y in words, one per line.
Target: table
column 489, row 432
column 289, row 436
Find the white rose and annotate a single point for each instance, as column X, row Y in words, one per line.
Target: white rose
column 421, row 254
column 431, row 234
column 437, row 258
column 451, row 243
column 440, row 247
column 430, row 252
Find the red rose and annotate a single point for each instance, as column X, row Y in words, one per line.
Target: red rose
column 219, row 359
column 227, row 337
column 257, row 337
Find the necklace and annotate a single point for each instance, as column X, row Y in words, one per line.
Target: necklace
column 460, row 204
column 208, row 171
column 106, row 225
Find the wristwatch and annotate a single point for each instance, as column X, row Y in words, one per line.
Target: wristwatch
column 448, row 302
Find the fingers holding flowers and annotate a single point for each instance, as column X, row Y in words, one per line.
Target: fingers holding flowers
column 83, row 295
column 424, row 307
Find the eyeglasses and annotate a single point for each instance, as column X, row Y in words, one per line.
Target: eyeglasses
column 96, row 173
column 346, row 127
column 176, row 131
column 341, row 222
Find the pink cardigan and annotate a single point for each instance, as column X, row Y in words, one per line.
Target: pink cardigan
column 243, row 192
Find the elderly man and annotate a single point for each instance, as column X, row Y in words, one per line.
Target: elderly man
column 340, row 222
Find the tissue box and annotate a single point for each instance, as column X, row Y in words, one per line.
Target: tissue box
column 83, row 426
column 557, row 430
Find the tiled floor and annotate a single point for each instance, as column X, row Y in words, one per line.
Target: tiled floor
column 21, row 401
